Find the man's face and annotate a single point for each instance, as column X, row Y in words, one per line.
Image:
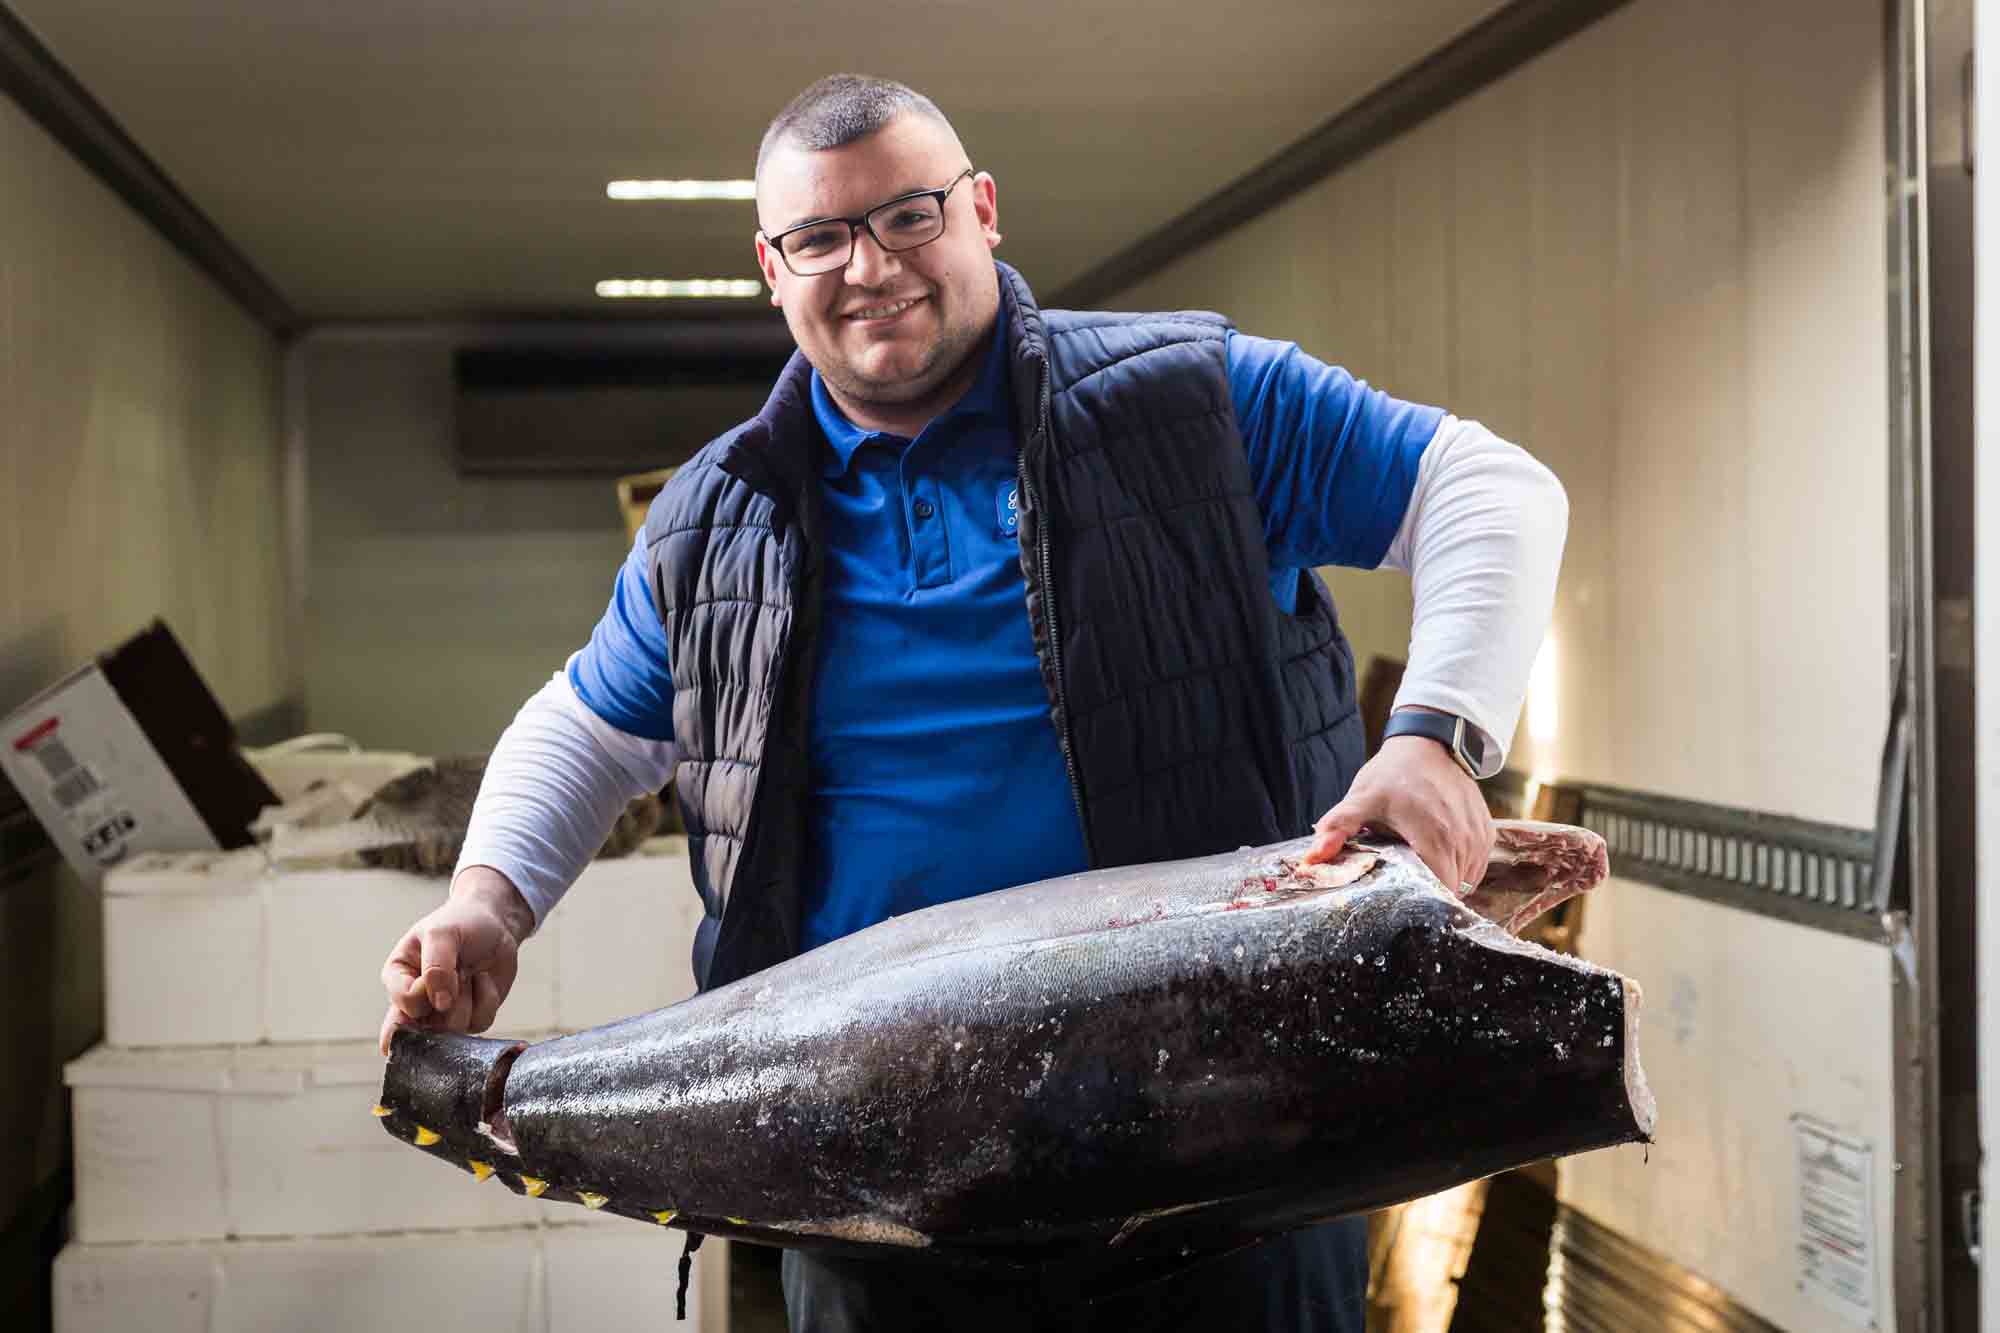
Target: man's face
column 892, row 327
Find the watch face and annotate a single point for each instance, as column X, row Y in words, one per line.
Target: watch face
column 1467, row 749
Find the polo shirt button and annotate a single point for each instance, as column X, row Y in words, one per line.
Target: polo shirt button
column 925, row 508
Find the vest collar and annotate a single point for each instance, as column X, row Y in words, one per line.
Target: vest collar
column 1029, row 346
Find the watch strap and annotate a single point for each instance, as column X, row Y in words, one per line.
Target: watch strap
column 1461, row 740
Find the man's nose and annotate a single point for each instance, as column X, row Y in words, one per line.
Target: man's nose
column 870, row 265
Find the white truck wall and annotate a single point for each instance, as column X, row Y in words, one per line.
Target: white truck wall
column 436, row 603
column 1654, row 257
column 1747, row 1022
column 139, row 452
column 139, row 476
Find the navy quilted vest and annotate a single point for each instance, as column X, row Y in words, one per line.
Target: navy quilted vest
column 1193, row 713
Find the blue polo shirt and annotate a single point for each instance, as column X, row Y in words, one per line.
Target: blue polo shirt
column 936, row 773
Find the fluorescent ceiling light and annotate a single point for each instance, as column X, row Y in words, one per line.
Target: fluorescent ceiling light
column 658, row 287
column 682, row 189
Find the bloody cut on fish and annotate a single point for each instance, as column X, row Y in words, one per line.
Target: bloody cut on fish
column 1119, row 1070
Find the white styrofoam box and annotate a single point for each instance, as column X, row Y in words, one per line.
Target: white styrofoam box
column 183, row 939
column 192, row 1143
column 203, row 949
column 326, row 935
column 207, row 949
column 623, row 937
column 168, row 1289
column 535, row 1280
column 606, row 1278
column 292, row 772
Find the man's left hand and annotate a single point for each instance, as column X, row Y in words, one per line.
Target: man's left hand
column 1413, row 788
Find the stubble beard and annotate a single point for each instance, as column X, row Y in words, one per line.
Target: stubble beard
column 948, row 355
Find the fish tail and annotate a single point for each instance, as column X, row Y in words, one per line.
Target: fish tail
column 441, row 1092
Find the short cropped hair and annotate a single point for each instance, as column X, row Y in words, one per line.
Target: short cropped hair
column 841, row 108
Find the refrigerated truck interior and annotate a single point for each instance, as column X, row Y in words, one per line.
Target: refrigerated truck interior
column 341, row 340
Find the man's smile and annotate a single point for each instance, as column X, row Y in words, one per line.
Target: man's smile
column 885, row 311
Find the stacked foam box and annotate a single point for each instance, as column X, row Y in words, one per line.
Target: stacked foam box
column 218, row 948
column 229, row 1175
column 576, row 1279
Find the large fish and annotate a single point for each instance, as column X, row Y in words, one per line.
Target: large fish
column 1114, row 1070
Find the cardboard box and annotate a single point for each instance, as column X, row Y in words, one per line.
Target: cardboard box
column 591, row 1279
column 636, row 494
column 205, row 949
column 129, row 754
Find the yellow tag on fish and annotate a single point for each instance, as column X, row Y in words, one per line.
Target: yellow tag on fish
column 665, row 1215
column 593, row 1200
column 379, row 1111
column 533, row 1186
column 426, row 1137
column 480, row 1169
column 736, row 1221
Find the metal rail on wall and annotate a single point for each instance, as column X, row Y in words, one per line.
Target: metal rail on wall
column 1796, row 870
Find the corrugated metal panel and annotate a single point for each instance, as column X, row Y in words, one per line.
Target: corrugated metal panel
column 1600, row 1282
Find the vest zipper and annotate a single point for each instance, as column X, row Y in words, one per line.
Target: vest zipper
column 1049, row 612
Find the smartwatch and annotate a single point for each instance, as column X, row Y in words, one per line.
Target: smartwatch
column 1461, row 740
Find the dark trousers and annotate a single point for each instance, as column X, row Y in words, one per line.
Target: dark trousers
column 1311, row 1281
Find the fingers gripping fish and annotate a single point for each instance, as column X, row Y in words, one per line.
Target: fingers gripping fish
column 1112, row 1070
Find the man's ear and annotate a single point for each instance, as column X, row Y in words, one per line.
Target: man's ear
column 767, row 263
column 986, row 207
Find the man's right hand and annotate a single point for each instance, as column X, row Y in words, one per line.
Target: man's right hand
column 451, row 970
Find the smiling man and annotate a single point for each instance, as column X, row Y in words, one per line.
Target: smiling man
column 988, row 594
column 893, row 338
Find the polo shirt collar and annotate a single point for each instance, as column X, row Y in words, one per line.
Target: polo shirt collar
column 985, row 401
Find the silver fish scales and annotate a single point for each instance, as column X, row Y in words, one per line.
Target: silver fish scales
column 1115, row 1070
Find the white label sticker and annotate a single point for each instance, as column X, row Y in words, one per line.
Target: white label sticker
column 1836, row 1221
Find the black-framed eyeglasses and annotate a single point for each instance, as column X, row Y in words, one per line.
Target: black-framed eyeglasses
column 903, row 223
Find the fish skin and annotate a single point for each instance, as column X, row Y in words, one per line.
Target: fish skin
column 1112, row 1070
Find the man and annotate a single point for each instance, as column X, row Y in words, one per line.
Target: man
column 988, row 594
